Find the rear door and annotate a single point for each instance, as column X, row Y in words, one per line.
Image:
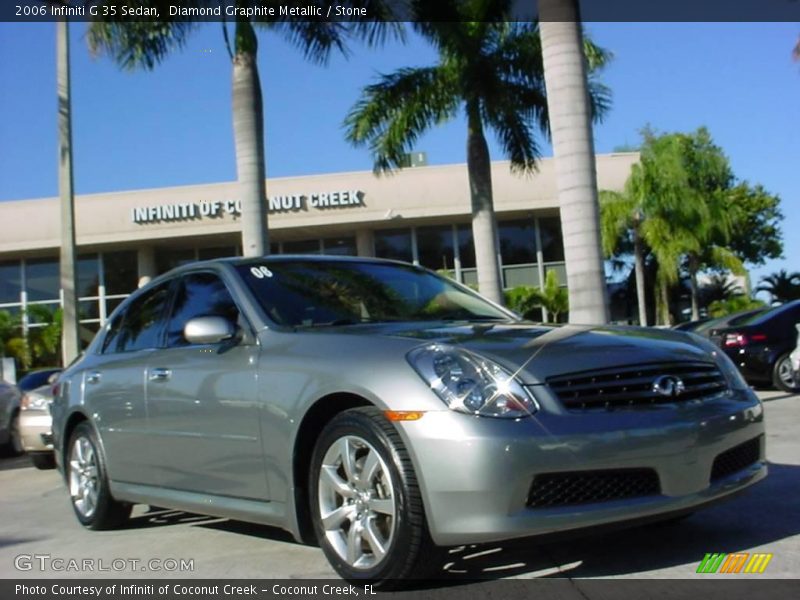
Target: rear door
column 114, row 386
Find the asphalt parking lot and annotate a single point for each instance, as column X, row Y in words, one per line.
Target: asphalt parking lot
column 36, row 520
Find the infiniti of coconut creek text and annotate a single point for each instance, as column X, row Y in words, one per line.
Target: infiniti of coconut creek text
column 206, row 590
column 331, row 11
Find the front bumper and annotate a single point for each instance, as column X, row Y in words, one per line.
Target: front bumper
column 476, row 473
column 36, row 430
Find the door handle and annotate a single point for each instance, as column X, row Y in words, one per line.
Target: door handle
column 160, row 374
column 94, row 377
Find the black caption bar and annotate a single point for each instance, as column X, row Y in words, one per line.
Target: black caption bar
column 711, row 588
column 390, row 10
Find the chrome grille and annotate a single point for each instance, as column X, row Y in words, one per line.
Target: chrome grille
column 587, row 487
column 633, row 386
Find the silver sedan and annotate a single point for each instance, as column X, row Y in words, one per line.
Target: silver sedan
column 385, row 412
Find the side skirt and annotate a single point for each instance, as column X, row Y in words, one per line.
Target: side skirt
column 253, row 511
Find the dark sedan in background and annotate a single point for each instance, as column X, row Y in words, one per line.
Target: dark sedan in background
column 760, row 346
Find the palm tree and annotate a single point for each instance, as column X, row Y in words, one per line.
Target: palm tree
column 553, row 298
column 674, row 203
column 12, row 342
column 493, row 71
column 70, row 342
column 720, row 288
column 781, row 285
column 146, row 44
column 43, row 340
column 571, row 112
column 620, row 212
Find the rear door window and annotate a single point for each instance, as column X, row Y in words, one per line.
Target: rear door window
column 142, row 323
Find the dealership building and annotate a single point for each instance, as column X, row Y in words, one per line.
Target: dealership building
column 418, row 214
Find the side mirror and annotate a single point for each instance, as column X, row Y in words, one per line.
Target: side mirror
column 208, row 330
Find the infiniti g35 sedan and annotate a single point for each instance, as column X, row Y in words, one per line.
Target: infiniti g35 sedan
column 382, row 411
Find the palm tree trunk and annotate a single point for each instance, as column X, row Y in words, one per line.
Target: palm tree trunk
column 484, row 227
column 573, row 147
column 638, row 257
column 248, row 130
column 693, row 268
column 70, row 340
column 666, row 316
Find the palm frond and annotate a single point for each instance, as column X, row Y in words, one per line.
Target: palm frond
column 139, row 44
column 616, row 219
column 517, row 138
column 722, row 257
column 392, row 113
column 315, row 39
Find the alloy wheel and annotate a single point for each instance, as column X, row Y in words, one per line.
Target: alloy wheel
column 786, row 374
column 357, row 502
column 83, row 476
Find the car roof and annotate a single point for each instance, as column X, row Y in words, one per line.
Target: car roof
column 763, row 317
column 235, row 261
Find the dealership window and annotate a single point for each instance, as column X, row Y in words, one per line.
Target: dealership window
column 41, row 279
column 394, row 244
column 88, row 271
column 10, row 282
column 466, row 246
column 518, row 242
column 435, row 247
column 552, row 240
column 169, row 259
column 345, row 246
column 120, row 272
column 217, row 252
column 302, row 247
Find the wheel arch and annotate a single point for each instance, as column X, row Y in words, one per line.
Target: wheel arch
column 314, row 421
column 74, row 419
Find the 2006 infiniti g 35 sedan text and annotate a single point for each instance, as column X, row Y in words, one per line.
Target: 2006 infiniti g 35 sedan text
column 383, row 411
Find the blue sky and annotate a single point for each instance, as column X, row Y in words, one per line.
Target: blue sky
column 173, row 126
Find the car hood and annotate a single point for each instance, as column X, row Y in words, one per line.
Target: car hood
column 537, row 352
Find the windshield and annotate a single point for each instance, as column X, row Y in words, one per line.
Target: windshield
column 730, row 320
column 307, row 293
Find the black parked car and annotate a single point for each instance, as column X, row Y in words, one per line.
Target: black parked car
column 760, row 346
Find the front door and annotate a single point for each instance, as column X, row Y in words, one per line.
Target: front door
column 202, row 400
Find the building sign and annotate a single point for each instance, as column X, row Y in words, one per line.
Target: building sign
column 187, row 211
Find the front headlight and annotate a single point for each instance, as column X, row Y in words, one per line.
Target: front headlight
column 34, row 401
column 470, row 383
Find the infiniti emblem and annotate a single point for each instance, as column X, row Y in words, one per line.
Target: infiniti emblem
column 669, row 385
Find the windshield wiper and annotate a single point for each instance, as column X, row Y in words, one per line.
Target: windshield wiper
column 334, row 323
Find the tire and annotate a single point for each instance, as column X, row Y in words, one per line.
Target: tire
column 376, row 529
column 13, row 447
column 87, row 481
column 44, row 461
column 782, row 376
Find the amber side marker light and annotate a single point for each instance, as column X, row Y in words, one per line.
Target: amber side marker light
column 403, row 415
